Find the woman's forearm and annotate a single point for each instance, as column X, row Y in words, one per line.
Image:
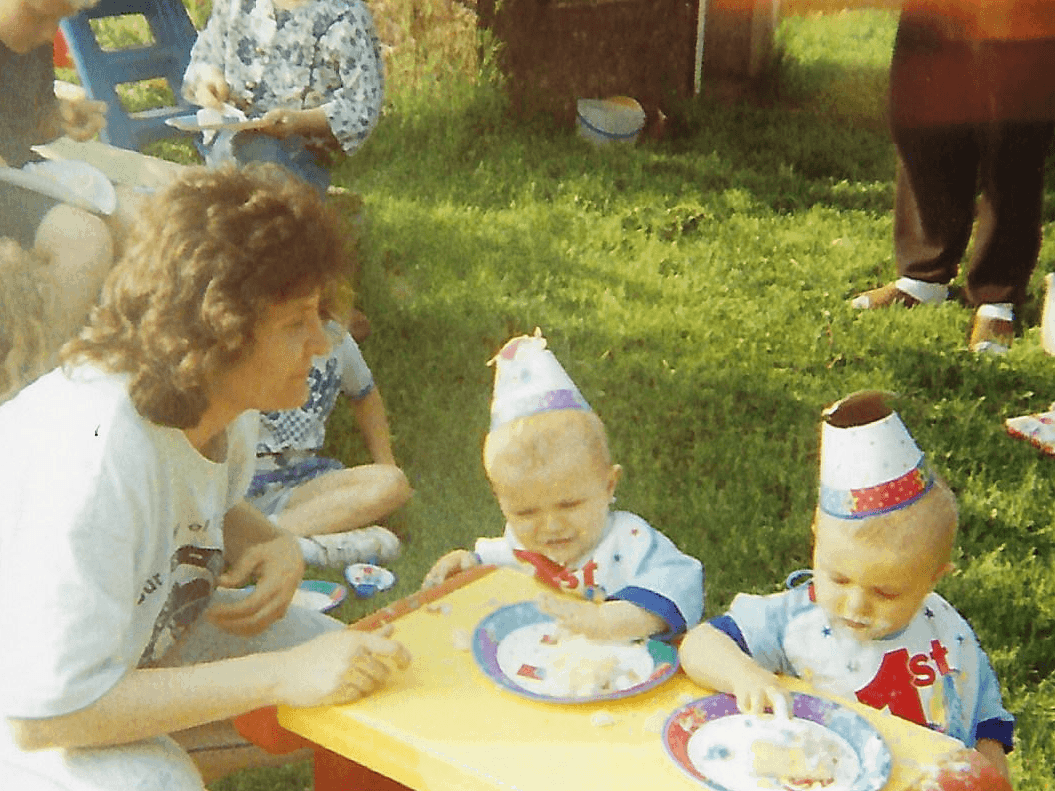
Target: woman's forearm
column 149, row 703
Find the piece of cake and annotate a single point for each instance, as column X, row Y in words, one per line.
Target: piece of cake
column 802, row 762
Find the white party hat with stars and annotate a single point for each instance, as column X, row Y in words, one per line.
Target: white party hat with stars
column 529, row 379
column 870, row 464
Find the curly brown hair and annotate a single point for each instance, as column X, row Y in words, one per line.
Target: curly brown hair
column 207, row 255
column 29, row 328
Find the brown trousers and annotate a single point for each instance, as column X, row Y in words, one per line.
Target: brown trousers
column 970, row 117
column 940, row 173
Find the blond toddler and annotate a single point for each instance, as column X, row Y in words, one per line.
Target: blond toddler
column 550, row 469
column 869, row 625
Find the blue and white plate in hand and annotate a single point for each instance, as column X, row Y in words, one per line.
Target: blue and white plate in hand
column 367, row 579
column 823, row 747
column 523, row 650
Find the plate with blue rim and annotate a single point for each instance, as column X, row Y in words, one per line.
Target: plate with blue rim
column 823, row 746
column 319, row 595
column 524, row 651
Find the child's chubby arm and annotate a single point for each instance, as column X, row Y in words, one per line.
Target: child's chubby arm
column 370, row 416
column 712, row 659
column 610, row 620
column 447, row 566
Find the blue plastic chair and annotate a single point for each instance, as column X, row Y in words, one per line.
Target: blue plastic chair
column 101, row 71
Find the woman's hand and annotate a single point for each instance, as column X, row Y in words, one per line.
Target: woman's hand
column 77, row 116
column 210, row 89
column 339, row 667
column 286, row 123
column 450, row 564
column 277, row 566
column 82, row 118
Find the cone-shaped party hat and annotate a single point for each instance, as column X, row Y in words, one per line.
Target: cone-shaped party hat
column 529, row 380
column 869, row 462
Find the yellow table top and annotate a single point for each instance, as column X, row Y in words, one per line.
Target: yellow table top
column 443, row 724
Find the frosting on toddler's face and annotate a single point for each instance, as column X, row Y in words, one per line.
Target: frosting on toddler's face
column 559, row 508
column 869, row 591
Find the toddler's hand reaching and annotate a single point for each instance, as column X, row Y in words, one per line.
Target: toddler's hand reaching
column 606, row 620
column 575, row 615
column 450, row 564
column 756, row 691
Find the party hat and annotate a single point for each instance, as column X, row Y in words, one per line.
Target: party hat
column 529, row 380
column 869, row 462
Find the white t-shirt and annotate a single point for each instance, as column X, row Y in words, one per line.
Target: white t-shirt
column 110, row 541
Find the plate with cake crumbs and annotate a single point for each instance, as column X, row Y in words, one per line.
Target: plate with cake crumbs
column 524, row 651
column 823, row 747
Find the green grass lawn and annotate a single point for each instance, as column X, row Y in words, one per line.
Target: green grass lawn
column 696, row 289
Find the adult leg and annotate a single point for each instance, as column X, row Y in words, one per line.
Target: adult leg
column 934, row 201
column 149, row 765
column 344, row 500
column 1008, row 237
column 80, row 249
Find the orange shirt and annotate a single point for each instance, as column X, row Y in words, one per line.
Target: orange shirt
column 988, row 20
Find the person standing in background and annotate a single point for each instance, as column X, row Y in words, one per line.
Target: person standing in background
column 972, row 105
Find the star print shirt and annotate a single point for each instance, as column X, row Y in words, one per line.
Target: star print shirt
column 633, row 562
column 323, row 53
column 292, row 434
column 933, row 672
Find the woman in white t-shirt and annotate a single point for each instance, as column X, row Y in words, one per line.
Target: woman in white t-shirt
column 124, row 507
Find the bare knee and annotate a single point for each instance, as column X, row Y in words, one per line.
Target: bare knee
column 80, row 248
column 397, row 486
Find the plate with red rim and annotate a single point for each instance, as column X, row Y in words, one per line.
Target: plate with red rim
column 522, row 650
column 825, row 746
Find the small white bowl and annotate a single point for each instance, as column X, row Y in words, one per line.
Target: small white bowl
column 618, row 119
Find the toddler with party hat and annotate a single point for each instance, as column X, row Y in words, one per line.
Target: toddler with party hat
column 869, row 624
column 547, row 459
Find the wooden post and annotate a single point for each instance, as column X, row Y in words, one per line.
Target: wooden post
column 737, row 44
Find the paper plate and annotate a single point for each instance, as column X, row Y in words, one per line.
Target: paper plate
column 367, row 579
column 76, row 183
column 517, row 647
column 190, row 123
column 720, row 747
column 319, row 595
